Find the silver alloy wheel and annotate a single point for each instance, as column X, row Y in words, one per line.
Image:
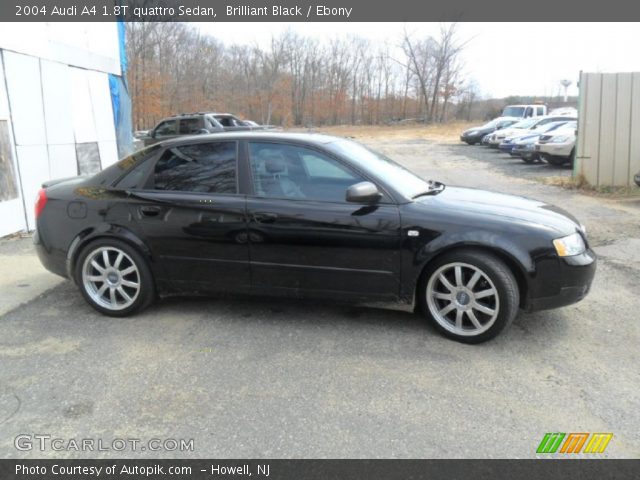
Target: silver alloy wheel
column 462, row 299
column 111, row 278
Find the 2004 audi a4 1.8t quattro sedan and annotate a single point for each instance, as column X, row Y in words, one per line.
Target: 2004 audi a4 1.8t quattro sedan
column 307, row 215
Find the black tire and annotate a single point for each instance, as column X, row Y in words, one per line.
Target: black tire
column 469, row 142
column 556, row 161
column 528, row 160
column 508, row 295
column 146, row 291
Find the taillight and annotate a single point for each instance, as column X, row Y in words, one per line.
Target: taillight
column 41, row 201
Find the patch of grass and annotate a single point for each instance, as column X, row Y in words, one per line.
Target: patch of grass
column 437, row 132
column 581, row 184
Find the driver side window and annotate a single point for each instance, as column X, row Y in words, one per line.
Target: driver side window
column 290, row 171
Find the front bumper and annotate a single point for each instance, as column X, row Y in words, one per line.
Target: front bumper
column 506, row 147
column 525, row 151
column 471, row 138
column 571, row 282
column 555, row 149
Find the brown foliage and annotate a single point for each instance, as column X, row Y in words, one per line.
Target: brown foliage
column 295, row 81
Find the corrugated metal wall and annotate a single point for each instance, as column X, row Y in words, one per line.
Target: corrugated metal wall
column 608, row 145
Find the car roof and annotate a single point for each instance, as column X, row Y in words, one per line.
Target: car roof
column 309, row 138
column 195, row 114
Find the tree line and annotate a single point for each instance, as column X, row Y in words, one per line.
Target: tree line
column 297, row 80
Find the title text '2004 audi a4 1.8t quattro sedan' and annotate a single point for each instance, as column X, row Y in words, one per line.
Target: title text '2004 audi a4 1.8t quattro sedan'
column 313, row 216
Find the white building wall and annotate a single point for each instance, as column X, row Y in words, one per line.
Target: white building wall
column 54, row 90
column 92, row 46
column 12, row 217
column 608, row 143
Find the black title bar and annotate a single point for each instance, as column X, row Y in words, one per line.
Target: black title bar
column 317, row 11
column 544, row 469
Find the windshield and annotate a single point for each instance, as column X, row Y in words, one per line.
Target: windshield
column 525, row 123
column 491, row 124
column 513, row 111
column 382, row 166
column 550, row 126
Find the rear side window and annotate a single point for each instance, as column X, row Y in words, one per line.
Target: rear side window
column 226, row 121
column 130, row 170
column 200, row 168
column 135, row 178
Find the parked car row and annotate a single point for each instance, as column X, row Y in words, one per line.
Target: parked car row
column 549, row 138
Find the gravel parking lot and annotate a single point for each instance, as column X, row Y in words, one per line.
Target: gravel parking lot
column 258, row 377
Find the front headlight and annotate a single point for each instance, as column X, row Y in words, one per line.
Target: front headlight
column 561, row 139
column 570, row 245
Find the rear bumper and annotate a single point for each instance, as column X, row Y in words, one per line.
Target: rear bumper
column 574, row 275
column 53, row 260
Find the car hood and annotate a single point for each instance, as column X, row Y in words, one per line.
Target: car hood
column 524, row 139
column 511, row 132
column 508, row 207
column 479, row 130
column 562, row 132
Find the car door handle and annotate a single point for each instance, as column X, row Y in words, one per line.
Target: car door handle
column 150, row 211
column 265, row 217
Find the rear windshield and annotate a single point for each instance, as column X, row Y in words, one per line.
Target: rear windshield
column 513, row 112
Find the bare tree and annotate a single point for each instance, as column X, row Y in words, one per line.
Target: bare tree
column 295, row 79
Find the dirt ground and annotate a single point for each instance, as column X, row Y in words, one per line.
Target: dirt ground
column 260, row 377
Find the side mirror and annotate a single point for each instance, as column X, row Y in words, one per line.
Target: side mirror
column 202, row 131
column 152, row 133
column 363, row 192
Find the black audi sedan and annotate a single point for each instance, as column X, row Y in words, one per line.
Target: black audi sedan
column 311, row 216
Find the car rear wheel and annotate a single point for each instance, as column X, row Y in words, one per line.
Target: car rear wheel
column 469, row 296
column 114, row 278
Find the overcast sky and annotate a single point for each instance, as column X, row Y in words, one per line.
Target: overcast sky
column 504, row 58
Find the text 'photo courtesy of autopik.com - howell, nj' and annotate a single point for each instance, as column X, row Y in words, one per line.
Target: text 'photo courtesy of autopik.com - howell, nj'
column 341, row 239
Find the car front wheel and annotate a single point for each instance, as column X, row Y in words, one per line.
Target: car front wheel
column 469, row 296
column 114, row 278
column 557, row 161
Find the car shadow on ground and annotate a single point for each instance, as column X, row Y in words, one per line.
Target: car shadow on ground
column 389, row 323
